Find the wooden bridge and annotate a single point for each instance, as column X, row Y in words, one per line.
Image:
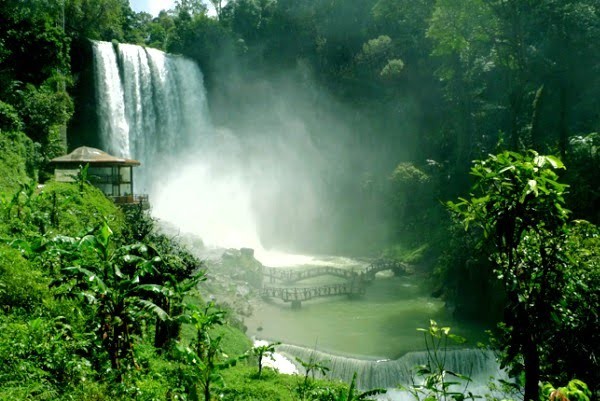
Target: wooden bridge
column 294, row 275
column 379, row 265
column 355, row 286
column 297, row 295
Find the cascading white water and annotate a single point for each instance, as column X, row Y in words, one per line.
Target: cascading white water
column 138, row 96
column 152, row 107
column 114, row 130
column 479, row 365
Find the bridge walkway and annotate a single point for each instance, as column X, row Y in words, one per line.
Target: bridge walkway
column 294, row 275
column 355, row 285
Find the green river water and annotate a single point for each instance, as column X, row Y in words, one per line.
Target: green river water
column 380, row 325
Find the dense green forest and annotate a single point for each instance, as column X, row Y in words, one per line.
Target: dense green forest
column 97, row 305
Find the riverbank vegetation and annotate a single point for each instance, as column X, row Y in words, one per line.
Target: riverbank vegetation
column 96, row 306
column 93, row 300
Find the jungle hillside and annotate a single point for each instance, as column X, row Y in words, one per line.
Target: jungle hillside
column 459, row 138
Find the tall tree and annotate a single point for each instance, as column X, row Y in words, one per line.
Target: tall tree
column 518, row 205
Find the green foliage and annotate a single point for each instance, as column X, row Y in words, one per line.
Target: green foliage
column 111, row 280
column 407, row 174
column 307, row 387
column 518, row 204
column 17, row 157
column 438, row 383
column 9, row 118
column 583, row 159
column 465, row 277
column 76, row 212
column 97, row 19
column 234, row 341
column 353, row 395
column 424, row 79
column 392, row 69
column 42, row 358
column 575, row 390
column 82, row 177
column 191, row 7
column 34, row 47
column 44, row 108
column 518, row 192
column 263, row 351
column 22, row 286
column 204, row 358
column 242, row 385
column 177, row 270
column 407, row 255
column 411, row 190
column 376, row 52
column 573, row 353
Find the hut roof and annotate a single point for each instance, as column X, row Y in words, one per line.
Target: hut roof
column 93, row 156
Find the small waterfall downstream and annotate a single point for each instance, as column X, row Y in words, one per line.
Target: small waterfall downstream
column 479, row 365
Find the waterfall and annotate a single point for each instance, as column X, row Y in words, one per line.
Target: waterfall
column 114, row 130
column 479, row 365
column 152, row 107
column 138, row 96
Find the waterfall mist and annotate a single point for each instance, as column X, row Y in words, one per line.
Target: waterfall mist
column 152, row 106
column 263, row 179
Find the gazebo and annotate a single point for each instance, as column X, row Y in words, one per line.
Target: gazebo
column 111, row 174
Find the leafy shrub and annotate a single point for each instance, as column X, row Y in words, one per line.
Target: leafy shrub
column 583, row 161
column 21, row 285
column 40, row 358
column 9, row 118
column 44, row 108
column 575, row 390
column 78, row 212
column 17, row 160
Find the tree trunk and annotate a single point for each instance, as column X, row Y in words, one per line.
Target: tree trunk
column 532, row 368
column 563, row 137
column 207, row 390
column 165, row 332
column 536, row 131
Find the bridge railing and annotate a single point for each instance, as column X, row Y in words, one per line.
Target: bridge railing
column 356, row 284
column 292, row 275
column 304, row 294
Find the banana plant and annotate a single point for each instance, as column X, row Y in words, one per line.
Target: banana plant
column 310, row 367
column 21, row 198
column 204, row 359
column 110, row 281
column 265, row 351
